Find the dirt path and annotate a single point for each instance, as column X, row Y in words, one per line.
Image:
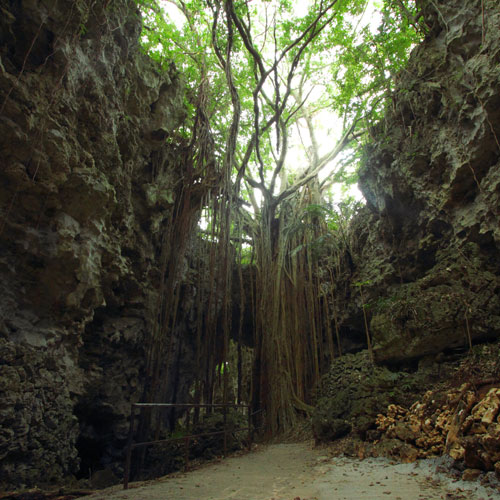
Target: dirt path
column 291, row 471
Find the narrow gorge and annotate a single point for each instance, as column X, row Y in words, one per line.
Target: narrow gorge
column 138, row 265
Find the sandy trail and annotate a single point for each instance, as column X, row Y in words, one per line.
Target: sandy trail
column 291, row 471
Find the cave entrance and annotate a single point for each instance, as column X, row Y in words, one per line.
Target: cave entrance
column 94, row 443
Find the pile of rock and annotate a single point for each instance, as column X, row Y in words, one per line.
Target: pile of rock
column 463, row 423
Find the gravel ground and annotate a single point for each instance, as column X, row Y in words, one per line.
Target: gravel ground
column 300, row 472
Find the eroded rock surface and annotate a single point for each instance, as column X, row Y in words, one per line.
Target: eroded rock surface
column 426, row 247
column 88, row 185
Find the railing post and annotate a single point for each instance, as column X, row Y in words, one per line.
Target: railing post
column 128, row 461
column 250, row 433
column 188, row 420
column 186, row 454
column 225, row 430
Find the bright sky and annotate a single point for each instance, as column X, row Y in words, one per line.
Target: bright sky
column 173, row 13
column 328, row 126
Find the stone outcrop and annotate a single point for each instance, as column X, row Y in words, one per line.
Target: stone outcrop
column 426, row 247
column 88, row 186
column 350, row 396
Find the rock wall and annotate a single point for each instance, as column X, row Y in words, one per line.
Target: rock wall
column 88, row 184
column 426, row 248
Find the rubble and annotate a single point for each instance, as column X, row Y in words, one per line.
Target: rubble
column 462, row 422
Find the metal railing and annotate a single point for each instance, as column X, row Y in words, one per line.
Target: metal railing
column 131, row 445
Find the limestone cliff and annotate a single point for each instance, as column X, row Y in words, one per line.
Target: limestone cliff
column 88, row 184
column 427, row 246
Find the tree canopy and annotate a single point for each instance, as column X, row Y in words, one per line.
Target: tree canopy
column 260, row 71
